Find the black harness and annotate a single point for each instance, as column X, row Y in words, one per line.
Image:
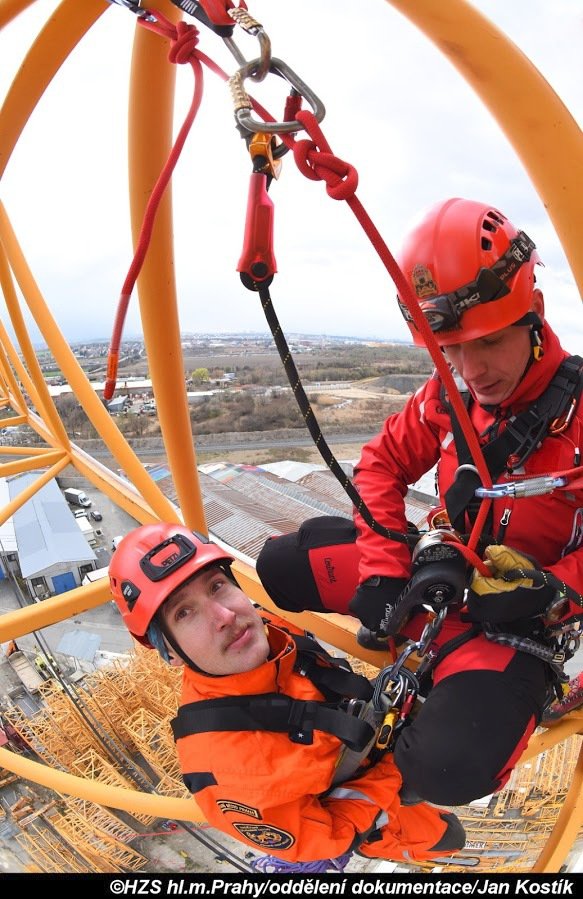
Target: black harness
column 524, row 433
column 345, row 695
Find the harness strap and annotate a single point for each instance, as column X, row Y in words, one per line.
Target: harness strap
column 521, row 437
column 555, row 659
column 333, row 680
column 275, row 712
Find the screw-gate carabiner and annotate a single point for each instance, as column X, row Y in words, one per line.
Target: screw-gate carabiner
column 246, row 21
column 243, row 106
column 532, row 487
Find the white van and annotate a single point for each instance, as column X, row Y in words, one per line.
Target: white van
column 116, row 541
column 76, row 497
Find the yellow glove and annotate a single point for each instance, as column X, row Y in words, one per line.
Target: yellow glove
column 501, row 560
column 494, row 599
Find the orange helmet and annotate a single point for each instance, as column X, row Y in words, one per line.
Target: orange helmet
column 471, row 270
column 151, row 563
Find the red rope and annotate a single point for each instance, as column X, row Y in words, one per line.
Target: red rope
column 184, row 39
column 316, row 161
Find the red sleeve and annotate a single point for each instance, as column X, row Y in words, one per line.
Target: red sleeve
column 406, row 448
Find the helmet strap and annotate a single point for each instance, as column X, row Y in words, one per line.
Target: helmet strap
column 535, row 323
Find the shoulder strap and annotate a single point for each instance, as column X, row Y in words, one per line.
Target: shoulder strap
column 273, row 712
column 334, row 679
column 524, row 432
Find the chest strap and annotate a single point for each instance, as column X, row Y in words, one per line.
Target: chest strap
column 550, row 414
column 274, row 712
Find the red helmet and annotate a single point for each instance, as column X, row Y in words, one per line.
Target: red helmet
column 471, row 270
column 150, row 564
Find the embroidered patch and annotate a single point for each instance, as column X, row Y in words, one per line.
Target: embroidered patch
column 228, row 805
column 423, row 283
column 265, row 836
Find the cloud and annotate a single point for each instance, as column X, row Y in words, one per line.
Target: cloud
column 396, row 109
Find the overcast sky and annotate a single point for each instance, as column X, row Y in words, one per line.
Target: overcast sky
column 396, row 109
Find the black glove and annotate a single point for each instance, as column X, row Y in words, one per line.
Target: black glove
column 498, row 598
column 372, row 598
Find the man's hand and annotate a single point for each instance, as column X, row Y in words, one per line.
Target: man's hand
column 507, row 593
column 372, row 598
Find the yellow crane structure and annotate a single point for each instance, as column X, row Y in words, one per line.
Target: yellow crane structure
column 550, row 145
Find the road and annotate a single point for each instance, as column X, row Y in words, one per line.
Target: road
column 223, row 446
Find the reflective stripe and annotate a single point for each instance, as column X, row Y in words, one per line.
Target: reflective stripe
column 342, row 793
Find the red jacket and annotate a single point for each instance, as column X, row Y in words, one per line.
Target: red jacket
column 277, row 795
column 549, row 528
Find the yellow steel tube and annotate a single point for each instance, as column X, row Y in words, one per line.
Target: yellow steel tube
column 14, row 420
column 9, row 9
column 537, row 123
column 60, row 34
column 47, row 407
column 17, row 400
column 118, row 489
column 8, row 511
column 77, row 379
column 58, row 608
column 102, row 794
column 21, row 450
column 7, row 469
column 566, row 827
column 150, row 130
column 13, row 391
column 570, row 725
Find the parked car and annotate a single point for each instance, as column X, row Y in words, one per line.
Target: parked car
column 95, row 515
column 116, row 541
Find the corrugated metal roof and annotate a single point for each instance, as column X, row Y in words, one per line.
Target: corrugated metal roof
column 46, row 532
column 291, row 471
column 245, row 504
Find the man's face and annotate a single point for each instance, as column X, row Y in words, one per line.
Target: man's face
column 215, row 625
column 492, row 366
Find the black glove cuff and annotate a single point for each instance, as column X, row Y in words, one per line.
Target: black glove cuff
column 524, row 602
column 372, row 598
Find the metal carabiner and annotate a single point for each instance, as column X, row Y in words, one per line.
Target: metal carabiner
column 242, row 103
column 246, row 21
column 533, row 487
column 135, row 6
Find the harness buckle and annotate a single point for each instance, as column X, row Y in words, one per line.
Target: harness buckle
column 301, row 722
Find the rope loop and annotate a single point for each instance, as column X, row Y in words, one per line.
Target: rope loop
column 316, row 161
column 183, row 43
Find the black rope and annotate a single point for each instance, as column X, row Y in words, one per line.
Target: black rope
column 314, row 428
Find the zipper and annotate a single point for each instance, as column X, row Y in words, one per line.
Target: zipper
column 503, row 524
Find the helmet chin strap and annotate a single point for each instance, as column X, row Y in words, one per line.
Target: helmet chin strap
column 175, row 646
column 535, row 324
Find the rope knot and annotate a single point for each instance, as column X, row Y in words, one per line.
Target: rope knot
column 183, row 43
column 316, row 161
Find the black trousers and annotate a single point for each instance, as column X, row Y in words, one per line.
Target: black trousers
column 474, row 725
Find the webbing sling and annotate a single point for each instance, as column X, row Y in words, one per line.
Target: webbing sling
column 522, row 435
